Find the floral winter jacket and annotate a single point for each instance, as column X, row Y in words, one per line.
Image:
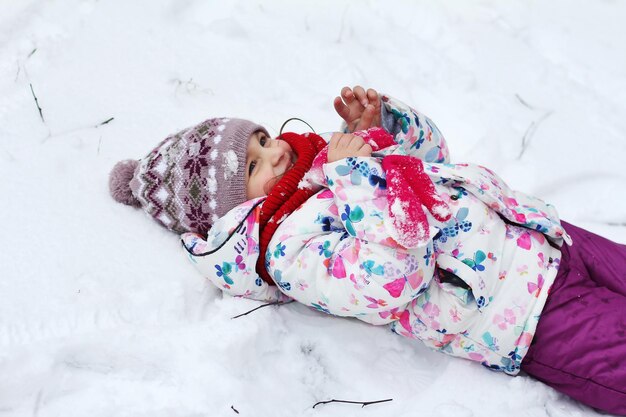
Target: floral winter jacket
column 338, row 252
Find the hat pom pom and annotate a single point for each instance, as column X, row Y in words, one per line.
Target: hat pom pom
column 119, row 182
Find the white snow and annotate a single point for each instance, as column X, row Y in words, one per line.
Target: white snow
column 100, row 312
column 231, row 164
column 305, row 183
column 441, row 210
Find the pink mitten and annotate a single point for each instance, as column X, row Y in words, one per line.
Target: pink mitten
column 408, row 189
column 376, row 137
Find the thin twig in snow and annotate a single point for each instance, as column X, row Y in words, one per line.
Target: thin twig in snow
column 99, row 142
column 363, row 403
column 234, row 409
column 37, row 103
column 275, row 303
column 343, row 23
column 10, row 156
column 110, row 119
column 532, row 128
column 64, row 132
column 19, row 65
column 37, row 403
column 521, row 100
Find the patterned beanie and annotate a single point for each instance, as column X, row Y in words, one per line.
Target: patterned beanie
column 191, row 178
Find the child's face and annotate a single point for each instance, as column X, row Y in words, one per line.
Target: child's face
column 266, row 162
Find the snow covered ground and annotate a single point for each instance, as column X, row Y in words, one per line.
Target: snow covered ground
column 100, row 312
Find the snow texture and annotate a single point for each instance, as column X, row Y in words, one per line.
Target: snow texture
column 311, row 177
column 231, row 164
column 100, row 312
column 441, row 211
column 410, row 227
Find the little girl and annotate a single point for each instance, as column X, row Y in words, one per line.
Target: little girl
column 344, row 230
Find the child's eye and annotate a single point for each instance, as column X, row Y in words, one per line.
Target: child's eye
column 262, row 142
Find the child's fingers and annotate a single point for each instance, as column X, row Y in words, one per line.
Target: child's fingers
column 334, row 140
column 344, row 145
column 374, row 99
column 350, row 142
column 365, row 150
column 339, row 140
column 346, row 141
column 367, row 118
column 372, row 96
column 342, row 110
column 360, row 95
column 356, row 142
column 347, row 95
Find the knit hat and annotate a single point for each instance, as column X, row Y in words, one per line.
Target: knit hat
column 191, row 178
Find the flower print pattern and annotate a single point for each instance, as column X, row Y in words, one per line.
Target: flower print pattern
column 476, row 262
column 239, row 264
column 351, row 216
column 371, row 268
column 416, row 134
column 223, row 271
column 324, row 249
column 326, row 222
column 357, row 169
column 359, row 281
column 278, row 277
column 279, row 250
column 375, row 303
column 232, row 268
column 490, row 341
column 320, row 306
column 417, row 142
column 393, row 314
column 302, row 285
column 505, row 319
column 337, row 253
column 510, row 265
column 456, row 224
column 536, row 287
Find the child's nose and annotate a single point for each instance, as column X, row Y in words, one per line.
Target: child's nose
column 276, row 154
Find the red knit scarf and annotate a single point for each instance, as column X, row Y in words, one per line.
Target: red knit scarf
column 285, row 197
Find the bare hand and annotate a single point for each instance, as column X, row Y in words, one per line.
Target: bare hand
column 344, row 145
column 359, row 108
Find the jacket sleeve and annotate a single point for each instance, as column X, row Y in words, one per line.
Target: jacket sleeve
column 228, row 255
column 416, row 134
column 337, row 254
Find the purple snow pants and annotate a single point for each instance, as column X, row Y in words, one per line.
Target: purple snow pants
column 580, row 344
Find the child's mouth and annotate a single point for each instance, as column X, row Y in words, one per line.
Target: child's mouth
column 294, row 158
